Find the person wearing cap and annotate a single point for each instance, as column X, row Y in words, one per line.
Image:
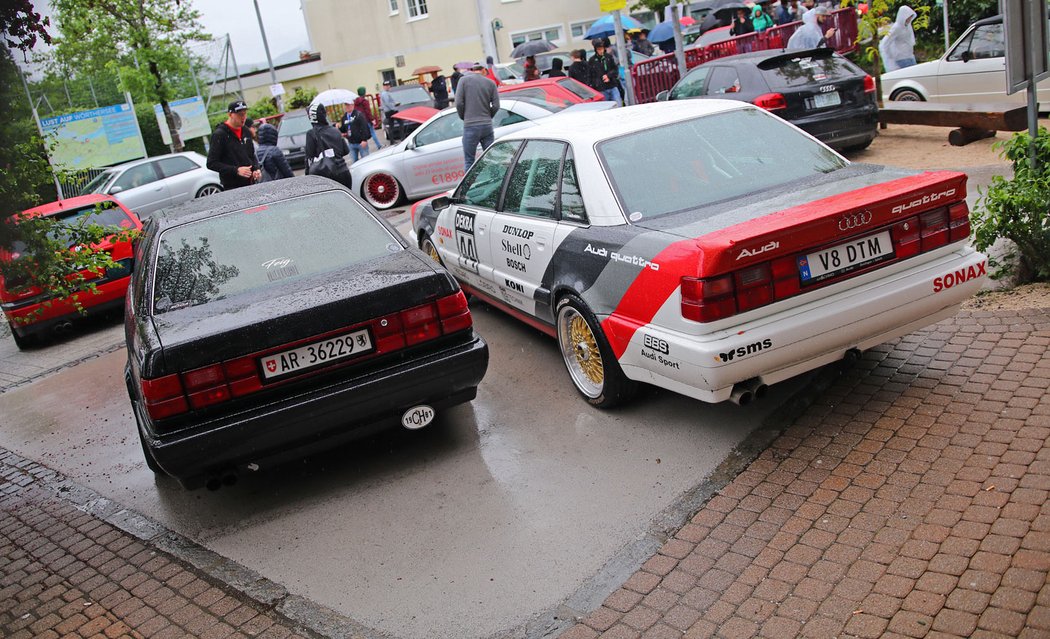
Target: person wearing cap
column 232, row 152
column 477, row 102
column 362, row 106
column 388, row 106
column 605, row 72
column 641, row 43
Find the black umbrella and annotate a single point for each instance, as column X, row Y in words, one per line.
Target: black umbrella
column 729, row 9
column 532, row 47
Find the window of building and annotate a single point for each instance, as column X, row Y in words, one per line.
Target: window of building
column 578, row 29
column 417, row 9
column 393, row 7
column 551, row 34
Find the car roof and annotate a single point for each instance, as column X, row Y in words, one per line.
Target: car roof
column 243, row 198
column 131, row 163
column 590, row 127
column 68, row 204
column 991, row 20
column 757, row 57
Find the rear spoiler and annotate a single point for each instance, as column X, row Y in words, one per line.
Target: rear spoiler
column 775, row 61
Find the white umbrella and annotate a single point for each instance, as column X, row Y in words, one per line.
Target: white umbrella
column 333, row 97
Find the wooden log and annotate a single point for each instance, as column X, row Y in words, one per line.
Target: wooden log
column 989, row 116
column 965, row 135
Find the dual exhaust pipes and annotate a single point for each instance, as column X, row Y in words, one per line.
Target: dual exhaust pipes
column 748, row 390
column 751, row 389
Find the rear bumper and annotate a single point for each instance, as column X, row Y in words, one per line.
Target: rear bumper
column 844, row 128
column 793, row 337
column 33, row 319
column 320, row 418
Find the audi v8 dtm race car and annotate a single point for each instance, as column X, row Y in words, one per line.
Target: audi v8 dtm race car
column 706, row 247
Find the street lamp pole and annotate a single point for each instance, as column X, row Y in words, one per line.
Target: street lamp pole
column 269, row 60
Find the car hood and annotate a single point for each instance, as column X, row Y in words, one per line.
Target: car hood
column 375, row 156
column 291, row 141
column 914, row 71
column 257, row 320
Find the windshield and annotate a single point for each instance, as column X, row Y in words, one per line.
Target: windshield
column 98, row 183
column 222, row 256
column 688, row 164
column 540, row 98
column 294, row 125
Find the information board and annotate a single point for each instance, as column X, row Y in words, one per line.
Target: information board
column 90, row 139
column 191, row 119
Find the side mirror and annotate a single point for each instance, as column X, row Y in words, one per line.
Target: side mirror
column 441, row 203
column 411, row 145
column 967, row 56
column 116, row 189
column 663, row 96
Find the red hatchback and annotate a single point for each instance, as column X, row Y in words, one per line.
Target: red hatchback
column 561, row 91
column 26, row 309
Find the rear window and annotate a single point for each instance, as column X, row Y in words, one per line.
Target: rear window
column 688, row 164
column 294, row 125
column 223, row 256
column 539, row 97
column 782, row 73
column 104, row 213
column 410, row 95
column 577, row 89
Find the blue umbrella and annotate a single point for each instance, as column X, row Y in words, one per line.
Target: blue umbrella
column 662, row 32
column 603, row 27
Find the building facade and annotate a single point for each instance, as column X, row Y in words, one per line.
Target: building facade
column 364, row 42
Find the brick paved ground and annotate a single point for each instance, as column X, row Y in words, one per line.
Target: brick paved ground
column 909, row 501
column 65, row 573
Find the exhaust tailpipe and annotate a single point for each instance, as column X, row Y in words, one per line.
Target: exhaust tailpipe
column 757, row 388
column 851, row 355
column 225, row 478
column 741, row 395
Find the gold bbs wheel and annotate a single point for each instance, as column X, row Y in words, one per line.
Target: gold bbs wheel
column 587, row 356
column 431, row 250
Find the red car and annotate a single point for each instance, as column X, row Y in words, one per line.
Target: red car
column 26, row 311
column 560, row 91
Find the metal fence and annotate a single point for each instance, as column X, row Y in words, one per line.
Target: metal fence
column 73, row 183
column 660, row 73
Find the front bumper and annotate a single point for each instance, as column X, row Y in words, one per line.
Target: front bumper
column 319, row 418
column 794, row 337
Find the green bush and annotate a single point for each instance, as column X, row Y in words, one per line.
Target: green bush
column 300, row 99
column 1018, row 209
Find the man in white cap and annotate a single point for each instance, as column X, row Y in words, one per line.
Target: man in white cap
column 477, row 102
column 232, row 152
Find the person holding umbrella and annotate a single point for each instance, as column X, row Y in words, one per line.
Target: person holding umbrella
column 640, row 42
column 741, row 23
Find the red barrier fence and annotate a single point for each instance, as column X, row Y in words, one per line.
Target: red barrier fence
column 660, row 74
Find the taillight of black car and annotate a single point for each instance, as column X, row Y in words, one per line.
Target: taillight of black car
column 179, row 393
column 714, row 298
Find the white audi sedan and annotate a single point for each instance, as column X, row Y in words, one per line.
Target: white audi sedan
column 703, row 246
column 973, row 70
column 430, row 159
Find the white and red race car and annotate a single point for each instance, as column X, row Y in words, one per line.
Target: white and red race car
column 706, row 247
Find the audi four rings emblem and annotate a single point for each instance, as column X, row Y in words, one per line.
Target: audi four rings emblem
column 854, row 220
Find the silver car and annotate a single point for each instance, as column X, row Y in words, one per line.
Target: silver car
column 146, row 186
column 430, row 159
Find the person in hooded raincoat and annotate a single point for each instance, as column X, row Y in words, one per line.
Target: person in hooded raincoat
column 271, row 160
column 897, row 49
column 809, row 35
column 324, row 139
column 760, row 20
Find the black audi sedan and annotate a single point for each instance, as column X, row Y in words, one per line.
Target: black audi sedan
column 817, row 90
column 266, row 322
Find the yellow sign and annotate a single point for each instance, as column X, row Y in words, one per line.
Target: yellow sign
column 612, row 5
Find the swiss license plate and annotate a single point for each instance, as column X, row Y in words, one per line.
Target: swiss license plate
column 824, row 100
column 316, row 354
column 830, row 262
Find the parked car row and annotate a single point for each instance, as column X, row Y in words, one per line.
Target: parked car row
column 710, row 247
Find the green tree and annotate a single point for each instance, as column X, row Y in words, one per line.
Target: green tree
column 302, row 98
column 142, row 42
column 22, row 26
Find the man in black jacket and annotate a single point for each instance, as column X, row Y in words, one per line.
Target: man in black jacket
column 232, row 154
column 605, row 72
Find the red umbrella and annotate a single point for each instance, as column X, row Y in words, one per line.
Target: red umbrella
column 687, row 21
